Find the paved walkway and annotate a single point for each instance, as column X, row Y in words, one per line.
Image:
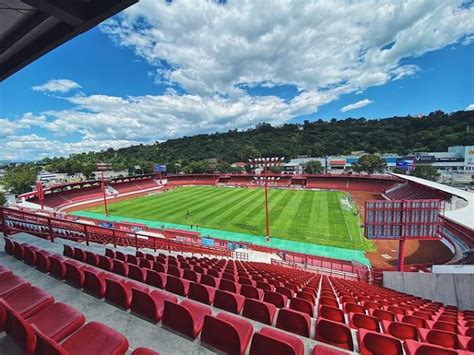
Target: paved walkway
column 283, row 244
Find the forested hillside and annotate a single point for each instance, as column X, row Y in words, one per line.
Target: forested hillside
column 434, row 132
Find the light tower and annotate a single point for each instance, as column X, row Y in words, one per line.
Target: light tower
column 103, row 184
column 265, row 163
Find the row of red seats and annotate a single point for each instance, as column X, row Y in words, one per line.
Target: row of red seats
column 445, row 332
column 39, row 325
column 224, row 332
column 300, row 323
column 42, row 333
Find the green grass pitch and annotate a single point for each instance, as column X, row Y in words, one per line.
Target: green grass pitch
column 308, row 216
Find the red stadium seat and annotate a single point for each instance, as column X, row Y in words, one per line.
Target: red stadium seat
column 120, row 267
column 227, row 285
column 68, row 251
column 306, row 296
column 251, row 292
column 118, row 291
column 353, row 308
column 440, row 337
column 413, row 347
column 227, row 333
column 19, row 251
column 156, row 279
column 186, row 318
column 275, row 298
column 334, row 333
column 208, row 280
column 137, row 273
column 284, row 291
column 397, row 310
column 401, row 330
column 9, row 246
column 74, row 273
column 106, row 263
column 201, row 293
column 259, row 311
column 271, row 341
column 94, row 282
column 331, row 313
column 177, row 285
column 145, row 263
column 132, row 259
column 28, row 300
column 294, row 321
column 378, row 344
column 120, row 256
column 447, row 326
column 57, row 320
column 110, row 253
column 12, row 283
column 416, row 321
column 150, row 305
column 174, row 271
column 79, row 254
column 29, row 255
column 326, row 301
column 93, row 338
column 363, row 321
column 228, row 301
column 92, row 258
column 42, row 260
column 190, row 275
column 382, row 315
column 265, row 286
column 302, row 305
column 57, row 267
column 159, row 267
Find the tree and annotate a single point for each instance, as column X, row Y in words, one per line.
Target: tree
column 3, row 199
column 21, row 178
column 370, row 163
column 313, row 167
column 427, row 172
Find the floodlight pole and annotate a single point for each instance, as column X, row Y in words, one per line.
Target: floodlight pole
column 265, row 163
column 40, row 192
column 401, row 254
column 104, row 191
column 265, row 177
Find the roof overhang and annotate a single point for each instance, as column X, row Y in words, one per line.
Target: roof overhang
column 464, row 215
column 31, row 28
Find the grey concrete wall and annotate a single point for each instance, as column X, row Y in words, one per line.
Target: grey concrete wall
column 452, row 289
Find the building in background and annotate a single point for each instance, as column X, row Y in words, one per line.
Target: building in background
column 454, row 165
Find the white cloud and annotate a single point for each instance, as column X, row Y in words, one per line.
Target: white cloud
column 470, row 107
column 34, row 147
column 356, row 105
column 57, row 85
column 314, row 45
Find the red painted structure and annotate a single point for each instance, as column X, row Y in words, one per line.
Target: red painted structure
column 403, row 219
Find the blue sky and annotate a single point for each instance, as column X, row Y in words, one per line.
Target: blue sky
column 163, row 70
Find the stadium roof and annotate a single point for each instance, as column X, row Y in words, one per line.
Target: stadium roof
column 31, row 28
column 464, row 215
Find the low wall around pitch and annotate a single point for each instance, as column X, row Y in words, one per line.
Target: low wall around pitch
column 451, row 289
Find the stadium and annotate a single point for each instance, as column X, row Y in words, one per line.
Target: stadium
column 251, row 263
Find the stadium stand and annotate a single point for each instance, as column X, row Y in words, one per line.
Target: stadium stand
column 408, row 191
column 348, row 315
